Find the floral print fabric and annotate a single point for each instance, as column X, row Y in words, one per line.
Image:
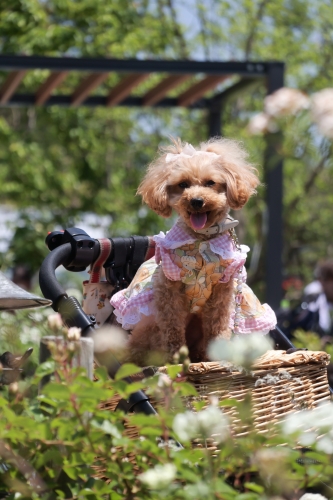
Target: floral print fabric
column 200, row 269
column 199, row 265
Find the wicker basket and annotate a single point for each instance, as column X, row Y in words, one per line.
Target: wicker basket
column 278, row 384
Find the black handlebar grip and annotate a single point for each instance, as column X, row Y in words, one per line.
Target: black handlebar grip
column 73, row 314
column 48, row 282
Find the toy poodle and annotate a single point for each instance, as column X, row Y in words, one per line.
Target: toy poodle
column 185, row 295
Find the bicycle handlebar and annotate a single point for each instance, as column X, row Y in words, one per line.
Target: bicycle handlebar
column 73, row 315
column 48, row 282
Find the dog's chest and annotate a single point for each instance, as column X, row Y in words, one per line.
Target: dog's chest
column 200, row 269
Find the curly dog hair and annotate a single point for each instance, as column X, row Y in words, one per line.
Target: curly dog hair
column 199, row 187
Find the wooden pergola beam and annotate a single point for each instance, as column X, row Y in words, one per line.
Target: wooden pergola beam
column 199, row 89
column 157, row 93
column 45, row 90
column 87, row 86
column 124, row 88
column 10, row 85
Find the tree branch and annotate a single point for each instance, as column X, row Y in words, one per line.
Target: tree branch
column 31, row 475
column 203, row 31
column 177, row 31
column 311, row 180
column 258, row 17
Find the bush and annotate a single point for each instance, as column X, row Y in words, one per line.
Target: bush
column 57, row 441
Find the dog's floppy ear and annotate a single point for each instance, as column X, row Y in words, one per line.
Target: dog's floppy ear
column 240, row 176
column 153, row 190
column 239, row 188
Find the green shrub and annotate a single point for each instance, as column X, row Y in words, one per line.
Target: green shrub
column 56, row 441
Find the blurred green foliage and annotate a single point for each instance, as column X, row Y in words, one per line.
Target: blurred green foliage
column 58, row 440
column 56, row 163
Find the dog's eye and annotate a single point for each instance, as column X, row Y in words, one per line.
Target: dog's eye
column 183, row 185
column 210, row 183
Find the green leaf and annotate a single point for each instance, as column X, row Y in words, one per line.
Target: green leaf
column 127, row 370
column 46, row 368
column 247, row 496
column 254, row 487
column 173, row 370
column 3, row 402
column 187, row 389
column 47, row 401
column 101, row 373
column 56, row 391
column 107, row 428
column 131, row 388
column 229, row 402
column 71, row 472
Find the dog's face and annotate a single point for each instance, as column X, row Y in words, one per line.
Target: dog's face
column 198, row 192
column 201, row 187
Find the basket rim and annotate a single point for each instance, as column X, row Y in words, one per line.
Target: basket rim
column 269, row 361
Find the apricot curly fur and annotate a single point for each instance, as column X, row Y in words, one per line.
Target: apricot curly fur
column 234, row 181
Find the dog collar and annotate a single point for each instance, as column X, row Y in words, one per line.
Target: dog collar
column 221, row 227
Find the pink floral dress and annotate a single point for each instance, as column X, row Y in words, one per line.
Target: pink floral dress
column 199, row 265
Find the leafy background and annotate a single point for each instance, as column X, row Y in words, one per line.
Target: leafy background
column 59, row 163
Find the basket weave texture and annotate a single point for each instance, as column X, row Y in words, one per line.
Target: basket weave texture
column 279, row 384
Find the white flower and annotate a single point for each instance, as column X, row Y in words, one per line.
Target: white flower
column 272, row 465
column 325, row 125
column 74, row 333
column 197, row 490
column 30, row 334
column 312, row 496
column 270, row 460
column 286, row 101
column 212, row 423
column 322, row 111
column 307, row 438
column 213, row 400
column 308, row 425
column 241, row 351
column 325, row 444
column 207, row 423
column 185, row 425
column 159, row 477
column 55, row 322
column 163, row 380
column 322, row 102
column 260, row 124
column 109, row 338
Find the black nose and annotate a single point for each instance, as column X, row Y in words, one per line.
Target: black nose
column 197, row 202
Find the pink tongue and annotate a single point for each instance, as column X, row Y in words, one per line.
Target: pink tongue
column 198, row 220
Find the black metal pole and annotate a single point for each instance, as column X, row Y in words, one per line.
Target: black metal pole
column 215, row 119
column 274, row 199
